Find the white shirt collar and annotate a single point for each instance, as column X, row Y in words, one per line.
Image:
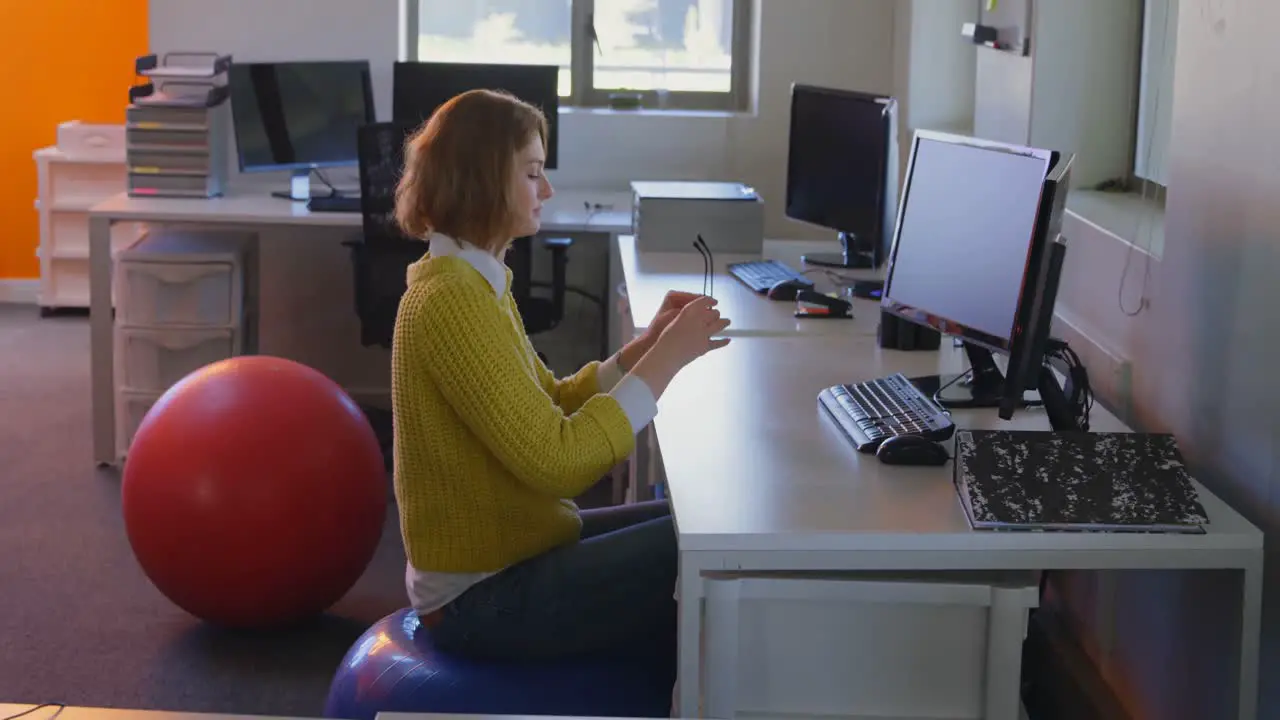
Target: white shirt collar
column 489, row 267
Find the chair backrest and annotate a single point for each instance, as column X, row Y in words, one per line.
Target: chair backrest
column 381, row 151
column 384, row 253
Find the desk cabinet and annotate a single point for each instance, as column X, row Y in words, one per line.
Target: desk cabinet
column 86, row 167
column 181, row 305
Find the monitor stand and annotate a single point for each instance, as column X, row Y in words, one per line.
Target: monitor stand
column 299, row 187
column 848, row 258
column 981, row 388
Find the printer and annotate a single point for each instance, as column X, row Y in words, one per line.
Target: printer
column 668, row 216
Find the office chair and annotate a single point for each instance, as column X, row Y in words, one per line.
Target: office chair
column 382, row 256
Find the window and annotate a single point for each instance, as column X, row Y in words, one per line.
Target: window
column 665, row 54
column 1155, row 90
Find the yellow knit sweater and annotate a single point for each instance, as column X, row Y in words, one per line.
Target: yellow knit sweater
column 489, row 445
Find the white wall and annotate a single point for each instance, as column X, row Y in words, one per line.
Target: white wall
column 939, row 92
column 306, row 294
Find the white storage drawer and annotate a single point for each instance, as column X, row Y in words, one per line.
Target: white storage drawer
column 85, row 183
column 81, row 140
column 152, row 360
column 69, row 234
column 131, row 408
column 65, row 284
column 179, row 294
column 927, row 645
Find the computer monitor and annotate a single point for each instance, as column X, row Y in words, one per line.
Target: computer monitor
column 842, row 171
column 977, row 253
column 418, row 88
column 299, row 116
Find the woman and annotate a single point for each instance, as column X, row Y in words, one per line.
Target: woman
column 490, row 446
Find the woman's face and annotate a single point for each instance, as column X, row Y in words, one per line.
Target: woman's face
column 531, row 189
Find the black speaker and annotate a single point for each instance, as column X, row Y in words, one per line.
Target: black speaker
column 898, row 334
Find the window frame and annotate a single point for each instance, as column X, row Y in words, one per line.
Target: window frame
column 582, row 63
column 1154, row 112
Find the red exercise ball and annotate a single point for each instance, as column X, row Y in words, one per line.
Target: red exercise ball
column 254, row 492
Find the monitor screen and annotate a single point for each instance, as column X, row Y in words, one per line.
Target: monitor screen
column 298, row 115
column 418, row 88
column 838, row 151
column 965, row 233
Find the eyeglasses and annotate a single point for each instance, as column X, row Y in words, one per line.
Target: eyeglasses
column 708, row 272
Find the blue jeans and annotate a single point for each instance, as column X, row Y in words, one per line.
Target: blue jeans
column 610, row 594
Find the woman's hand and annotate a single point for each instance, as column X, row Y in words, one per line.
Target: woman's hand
column 672, row 304
column 689, row 335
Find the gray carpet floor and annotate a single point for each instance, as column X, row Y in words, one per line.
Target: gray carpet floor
column 79, row 622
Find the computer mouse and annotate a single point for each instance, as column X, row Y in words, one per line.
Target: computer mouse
column 911, row 450
column 786, row 289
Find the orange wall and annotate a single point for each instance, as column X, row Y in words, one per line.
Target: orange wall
column 59, row 60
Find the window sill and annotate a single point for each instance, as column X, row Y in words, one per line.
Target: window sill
column 1128, row 217
column 653, row 112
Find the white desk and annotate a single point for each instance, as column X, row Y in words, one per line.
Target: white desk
column 648, row 277
column 455, row 716
column 71, row 712
column 566, row 212
column 760, row 481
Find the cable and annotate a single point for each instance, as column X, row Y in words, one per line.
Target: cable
column 937, row 394
column 333, row 190
column 1078, row 390
column 41, row 706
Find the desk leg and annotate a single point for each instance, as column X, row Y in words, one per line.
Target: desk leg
column 100, row 355
column 1250, row 636
column 689, row 667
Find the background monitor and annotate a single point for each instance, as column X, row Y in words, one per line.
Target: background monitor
column 973, row 256
column 299, row 116
column 418, row 88
column 842, row 170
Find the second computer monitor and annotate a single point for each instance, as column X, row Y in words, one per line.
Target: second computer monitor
column 842, row 170
column 418, row 88
column 297, row 116
column 977, row 225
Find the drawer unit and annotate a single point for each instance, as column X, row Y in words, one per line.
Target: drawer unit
column 86, row 167
column 66, row 284
column 69, row 235
column 91, row 140
column 180, row 306
column 179, row 294
column 152, row 360
column 131, row 409
column 81, row 185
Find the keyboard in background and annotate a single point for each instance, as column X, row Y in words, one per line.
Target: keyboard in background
column 760, row 275
column 871, row 411
column 334, row 203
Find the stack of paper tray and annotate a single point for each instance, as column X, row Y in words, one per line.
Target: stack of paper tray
column 176, row 126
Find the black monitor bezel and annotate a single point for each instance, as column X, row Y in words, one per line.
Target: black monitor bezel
column 888, row 107
column 400, row 101
column 1035, row 247
column 366, row 81
column 1033, row 323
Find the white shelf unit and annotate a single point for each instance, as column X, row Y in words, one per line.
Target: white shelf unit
column 85, row 167
column 182, row 302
